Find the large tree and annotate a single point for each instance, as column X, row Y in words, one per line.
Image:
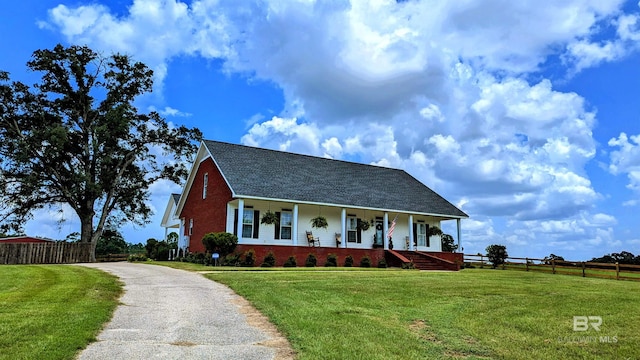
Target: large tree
column 75, row 137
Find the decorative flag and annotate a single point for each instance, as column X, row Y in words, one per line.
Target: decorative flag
column 392, row 227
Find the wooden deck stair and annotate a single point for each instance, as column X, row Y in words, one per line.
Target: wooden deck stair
column 423, row 261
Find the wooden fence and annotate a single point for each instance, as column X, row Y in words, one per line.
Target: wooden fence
column 45, row 253
column 578, row 268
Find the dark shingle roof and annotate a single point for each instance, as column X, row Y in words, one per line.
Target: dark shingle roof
column 256, row 172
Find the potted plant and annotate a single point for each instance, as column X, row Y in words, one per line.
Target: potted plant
column 269, row 218
column 319, row 222
column 363, row 225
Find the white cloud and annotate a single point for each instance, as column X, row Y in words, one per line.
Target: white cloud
column 626, row 159
column 437, row 88
column 169, row 111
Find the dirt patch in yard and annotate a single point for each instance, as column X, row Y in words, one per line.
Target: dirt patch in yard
column 255, row 318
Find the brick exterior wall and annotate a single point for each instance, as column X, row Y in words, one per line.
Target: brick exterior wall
column 210, row 214
column 282, row 253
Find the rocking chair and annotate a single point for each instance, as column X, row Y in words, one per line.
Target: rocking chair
column 312, row 240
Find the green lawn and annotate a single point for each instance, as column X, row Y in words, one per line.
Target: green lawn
column 52, row 311
column 471, row 314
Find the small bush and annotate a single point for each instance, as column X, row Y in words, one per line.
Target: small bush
column 249, row 258
column 365, row 262
column 332, row 261
column 137, row 257
column 291, row 262
column 269, row 260
column 231, row 260
column 409, row 266
column 348, row 261
column 311, row 261
column 382, row 263
column 222, row 243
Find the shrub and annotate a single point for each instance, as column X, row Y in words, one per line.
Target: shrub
column 365, row 262
column 269, row 260
column 157, row 250
column 382, row 263
column 409, row 266
column 311, row 261
column 137, row 257
column 249, row 258
column 291, row 262
column 231, row 260
column 332, row 261
column 222, row 243
column 348, row 261
column 497, row 254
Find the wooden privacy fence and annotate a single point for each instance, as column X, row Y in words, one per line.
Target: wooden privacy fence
column 579, row 268
column 45, row 253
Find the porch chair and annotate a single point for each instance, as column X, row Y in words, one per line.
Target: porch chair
column 338, row 239
column 312, row 240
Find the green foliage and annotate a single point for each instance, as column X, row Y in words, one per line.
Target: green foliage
column 497, row 254
column 319, row 222
column 310, row 261
column 409, row 266
column 136, row 248
column 269, row 260
column 448, row 243
column 269, row 218
column 157, row 250
column 231, row 260
column 332, row 261
column 137, row 257
column 623, row 257
column 434, row 231
column 348, row 261
column 382, row 263
column 172, row 238
column 222, row 243
column 291, row 262
column 365, row 262
column 76, row 138
column 111, row 242
column 249, row 258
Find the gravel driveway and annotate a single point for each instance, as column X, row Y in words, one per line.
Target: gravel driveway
column 174, row 314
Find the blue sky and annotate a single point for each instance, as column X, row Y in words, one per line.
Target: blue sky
column 526, row 117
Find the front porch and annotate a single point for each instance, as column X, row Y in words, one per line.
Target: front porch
column 345, row 230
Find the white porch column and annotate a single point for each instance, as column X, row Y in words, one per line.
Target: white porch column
column 343, row 228
column 181, row 240
column 240, row 217
column 458, row 226
column 385, row 230
column 294, row 225
column 411, row 233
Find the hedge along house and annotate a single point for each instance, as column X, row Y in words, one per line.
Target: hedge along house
column 231, row 187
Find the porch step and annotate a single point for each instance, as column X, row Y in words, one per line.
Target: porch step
column 424, row 261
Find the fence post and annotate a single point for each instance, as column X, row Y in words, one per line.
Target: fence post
column 617, row 271
column 553, row 266
column 481, row 261
column 526, row 262
column 583, row 267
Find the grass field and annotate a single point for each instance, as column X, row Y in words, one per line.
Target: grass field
column 471, row 314
column 52, row 311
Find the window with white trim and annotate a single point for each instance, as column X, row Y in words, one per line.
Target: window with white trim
column 205, row 185
column 421, row 234
column 247, row 223
column 286, row 219
column 352, row 229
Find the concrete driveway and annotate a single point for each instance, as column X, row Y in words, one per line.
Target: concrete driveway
column 175, row 314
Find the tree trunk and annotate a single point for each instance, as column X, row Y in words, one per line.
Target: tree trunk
column 86, row 233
